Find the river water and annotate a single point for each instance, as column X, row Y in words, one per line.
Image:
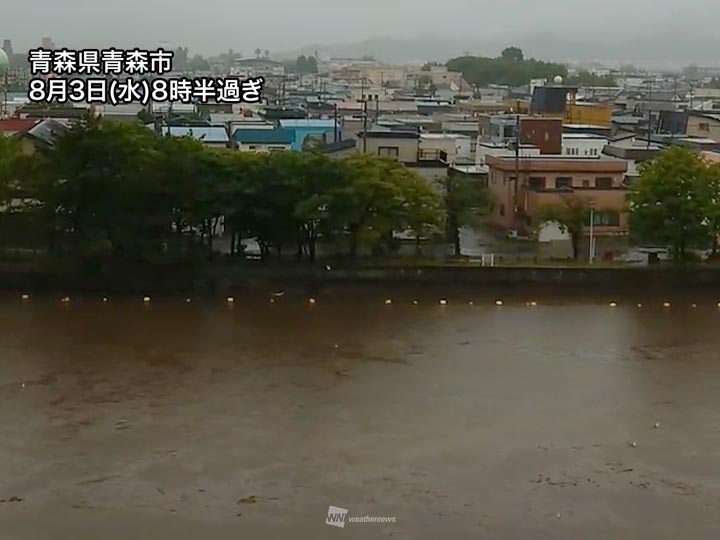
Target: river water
column 206, row 420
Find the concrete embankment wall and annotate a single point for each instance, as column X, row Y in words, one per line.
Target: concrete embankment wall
column 224, row 277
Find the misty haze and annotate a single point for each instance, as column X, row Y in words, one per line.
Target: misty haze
column 656, row 33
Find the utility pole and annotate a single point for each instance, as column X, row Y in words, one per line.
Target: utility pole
column 364, row 113
column 335, row 116
column 649, row 126
column 4, row 110
column 591, row 254
column 365, row 124
column 517, row 166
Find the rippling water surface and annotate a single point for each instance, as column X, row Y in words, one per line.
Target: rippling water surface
column 186, row 420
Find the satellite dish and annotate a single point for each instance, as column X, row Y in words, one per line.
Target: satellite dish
column 558, row 79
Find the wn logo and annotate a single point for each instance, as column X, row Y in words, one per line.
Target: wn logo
column 336, row 516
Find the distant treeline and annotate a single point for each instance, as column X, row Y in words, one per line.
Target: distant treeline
column 513, row 69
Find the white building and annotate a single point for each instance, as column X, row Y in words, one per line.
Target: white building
column 583, row 144
column 453, row 146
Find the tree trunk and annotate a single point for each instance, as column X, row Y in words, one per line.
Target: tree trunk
column 354, row 242
column 311, row 249
column 575, row 240
column 210, row 237
column 455, row 234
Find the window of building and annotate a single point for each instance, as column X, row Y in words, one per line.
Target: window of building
column 563, row 182
column 603, row 183
column 586, row 183
column 606, row 218
column 536, row 182
column 502, row 209
column 388, row 151
column 252, row 147
column 276, row 148
column 704, row 126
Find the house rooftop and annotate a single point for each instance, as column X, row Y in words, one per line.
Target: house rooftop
column 264, row 136
column 442, row 136
column 16, row 125
column 307, row 123
column 206, row 134
column 585, row 126
column 47, row 131
column 391, row 134
column 587, row 136
column 557, row 163
column 471, row 169
column 709, row 115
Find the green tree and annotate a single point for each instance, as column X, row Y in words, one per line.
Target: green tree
column 100, row 190
column 481, row 71
column 427, row 66
column 15, row 167
column 669, row 203
column 512, row 54
column 321, row 180
column 585, row 78
column 301, row 65
column 692, row 72
column 713, row 204
column 11, row 155
column 375, row 201
column 243, row 181
column 571, row 214
column 466, row 201
column 198, row 63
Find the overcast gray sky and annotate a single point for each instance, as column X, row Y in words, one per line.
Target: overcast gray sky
column 211, row 26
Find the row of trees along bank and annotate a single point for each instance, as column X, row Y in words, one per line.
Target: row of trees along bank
column 110, row 191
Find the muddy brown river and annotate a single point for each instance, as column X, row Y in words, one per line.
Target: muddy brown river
column 171, row 420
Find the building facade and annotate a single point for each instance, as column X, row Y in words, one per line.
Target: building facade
column 705, row 125
column 521, row 188
column 583, row 144
column 260, row 140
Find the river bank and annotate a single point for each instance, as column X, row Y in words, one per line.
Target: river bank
column 223, row 277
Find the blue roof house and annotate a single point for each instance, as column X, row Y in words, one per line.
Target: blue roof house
column 309, row 131
column 263, row 140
